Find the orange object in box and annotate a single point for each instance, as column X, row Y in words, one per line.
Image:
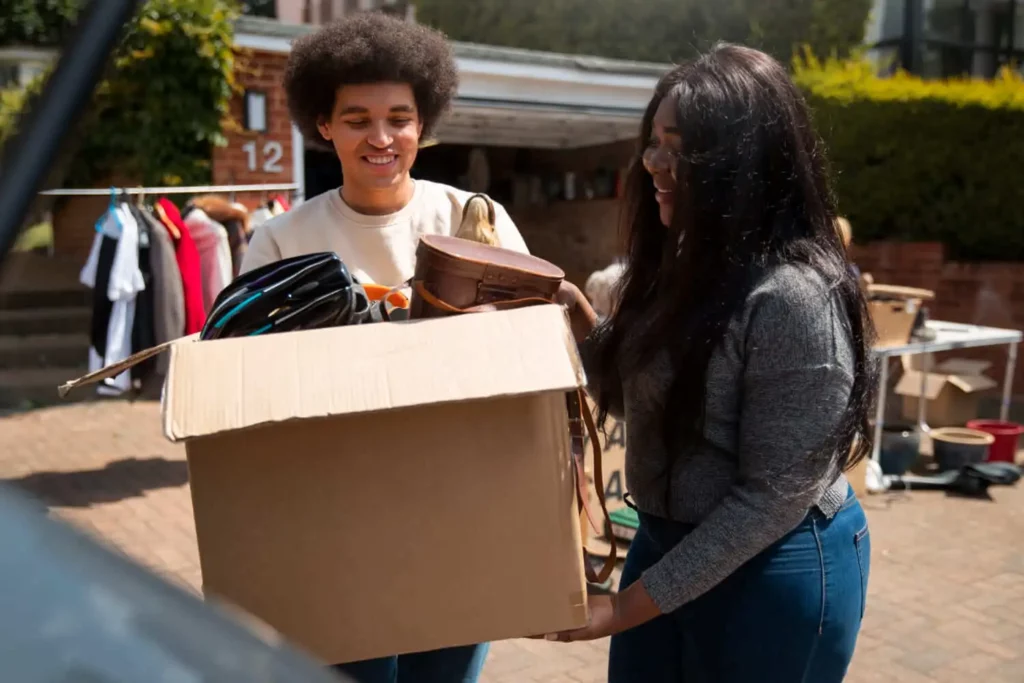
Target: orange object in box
column 378, row 292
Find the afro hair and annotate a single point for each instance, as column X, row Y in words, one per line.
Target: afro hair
column 369, row 47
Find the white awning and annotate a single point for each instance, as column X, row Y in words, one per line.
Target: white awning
column 537, row 126
column 510, row 97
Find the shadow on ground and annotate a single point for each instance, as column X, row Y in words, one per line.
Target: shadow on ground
column 128, row 478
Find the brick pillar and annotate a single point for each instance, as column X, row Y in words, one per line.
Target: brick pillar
column 258, row 158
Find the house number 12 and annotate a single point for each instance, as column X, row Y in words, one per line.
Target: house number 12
column 272, row 153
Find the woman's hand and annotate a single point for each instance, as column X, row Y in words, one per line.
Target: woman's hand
column 582, row 318
column 612, row 614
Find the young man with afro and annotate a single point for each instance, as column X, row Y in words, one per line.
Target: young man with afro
column 374, row 87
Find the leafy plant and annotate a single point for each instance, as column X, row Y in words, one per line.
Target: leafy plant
column 41, row 23
column 164, row 103
column 923, row 160
column 12, row 100
column 652, row 30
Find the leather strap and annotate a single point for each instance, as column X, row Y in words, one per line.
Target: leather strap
column 425, row 294
column 578, row 413
column 579, row 419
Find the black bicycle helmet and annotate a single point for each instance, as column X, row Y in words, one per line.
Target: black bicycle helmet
column 298, row 293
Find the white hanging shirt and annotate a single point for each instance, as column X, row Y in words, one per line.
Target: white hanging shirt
column 123, row 286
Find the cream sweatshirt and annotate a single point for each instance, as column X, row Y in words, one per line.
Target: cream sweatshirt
column 376, row 249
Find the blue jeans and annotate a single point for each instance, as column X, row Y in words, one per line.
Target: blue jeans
column 450, row 665
column 789, row 615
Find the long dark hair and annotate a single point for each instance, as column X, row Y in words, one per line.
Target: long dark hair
column 752, row 192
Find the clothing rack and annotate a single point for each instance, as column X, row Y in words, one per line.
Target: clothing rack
column 193, row 189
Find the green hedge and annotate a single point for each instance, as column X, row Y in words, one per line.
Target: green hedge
column 923, row 160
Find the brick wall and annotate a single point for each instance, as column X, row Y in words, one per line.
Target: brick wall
column 74, row 219
column 251, row 158
column 989, row 294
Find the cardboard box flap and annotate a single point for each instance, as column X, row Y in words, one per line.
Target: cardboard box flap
column 233, row 384
column 910, row 384
column 115, row 369
column 970, row 384
column 899, row 292
column 915, row 361
column 963, row 366
column 953, row 366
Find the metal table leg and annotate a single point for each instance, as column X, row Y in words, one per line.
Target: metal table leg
column 1011, row 365
column 883, row 385
column 922, row 401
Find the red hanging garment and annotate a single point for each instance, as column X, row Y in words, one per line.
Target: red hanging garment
column 188, row 263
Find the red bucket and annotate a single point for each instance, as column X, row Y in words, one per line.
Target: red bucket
column 1006, row 433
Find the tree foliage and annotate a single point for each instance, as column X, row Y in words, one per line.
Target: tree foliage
column 158, row 115
column 12, row 100
column 40, row 23
column 652, row 30
column 163, row 102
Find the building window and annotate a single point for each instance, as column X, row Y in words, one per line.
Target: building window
column 20, row 66
column 260, row 8
column 952, row 38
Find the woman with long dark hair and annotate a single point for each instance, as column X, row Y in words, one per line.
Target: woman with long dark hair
column 739, row 356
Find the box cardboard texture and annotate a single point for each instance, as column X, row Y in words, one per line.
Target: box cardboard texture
column 893, row 320
column 952, row 389
column 894, row 310
column 387, row 488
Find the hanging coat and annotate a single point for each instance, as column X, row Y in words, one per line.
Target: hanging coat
column 143, row 326
column 168, row 293
column 188, row 265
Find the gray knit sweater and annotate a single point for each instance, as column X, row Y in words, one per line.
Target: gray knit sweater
column 777, row 387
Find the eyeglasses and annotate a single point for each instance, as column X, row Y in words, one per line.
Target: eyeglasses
column 658, row 157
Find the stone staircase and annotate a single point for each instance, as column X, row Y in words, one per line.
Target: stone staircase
column 44, row 331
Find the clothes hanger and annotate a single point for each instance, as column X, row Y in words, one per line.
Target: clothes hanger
column 111, row 211
column 168, row 223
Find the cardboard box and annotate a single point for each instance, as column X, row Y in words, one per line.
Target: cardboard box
column 894, row 320
column 952, row 390
column 386, row 488
column 893, row 310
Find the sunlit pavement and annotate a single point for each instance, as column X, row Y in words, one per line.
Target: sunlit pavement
column 946, row 598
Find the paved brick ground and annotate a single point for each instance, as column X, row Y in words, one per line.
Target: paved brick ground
column 946, row 594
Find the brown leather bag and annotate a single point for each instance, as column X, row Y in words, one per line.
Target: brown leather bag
column 453, row 275
column 456, row 276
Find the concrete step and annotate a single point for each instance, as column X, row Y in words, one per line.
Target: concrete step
column 43, row 350
column 18, row 299
column 31, row 321
column 24, row 389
